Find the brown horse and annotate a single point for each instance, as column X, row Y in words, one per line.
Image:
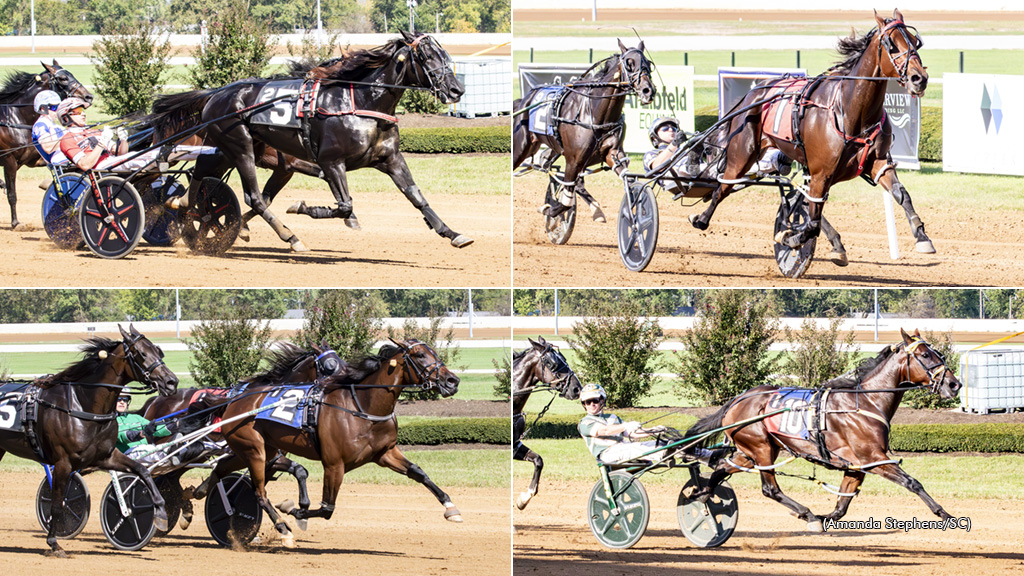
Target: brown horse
column 17, row 118
column 75, row 427
column 356, row 425
column 847, row 426
column 842, row 132
column 587, row 121
column 288, row 363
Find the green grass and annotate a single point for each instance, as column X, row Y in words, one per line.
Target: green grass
column 944, row 477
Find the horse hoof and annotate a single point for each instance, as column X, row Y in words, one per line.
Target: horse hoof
column 298, row 246
column 296, row 208
column 697, row 222
column 57, row 553
column 815, row 526
column 160, row 521
column 838, row 258
column 461, row 241
column 781, row 237
column 523, row 500
column 452, row 514
column 287, row 506
column 176, row 203
column 184, row 522
column 544, row 209
column 925, row 247
column 597, row 214
column 288, row 540
column 353, row 223
column 302, row 523
column 243, row 233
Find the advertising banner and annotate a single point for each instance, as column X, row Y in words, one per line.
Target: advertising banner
column 982, row 123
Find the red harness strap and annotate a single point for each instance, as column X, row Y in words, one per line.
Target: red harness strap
column 866, row 141
column 352, row 109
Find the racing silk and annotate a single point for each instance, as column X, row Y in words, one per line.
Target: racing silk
column 598, row 444
column 126, row 422
column 679, row 170
column 45, row 128
column 76, row 143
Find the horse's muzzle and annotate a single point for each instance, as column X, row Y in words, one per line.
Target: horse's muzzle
column 448, row 384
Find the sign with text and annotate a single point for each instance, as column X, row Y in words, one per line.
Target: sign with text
column 533, row 75
column 734, row 83
column 674, row 98
column 982, row 123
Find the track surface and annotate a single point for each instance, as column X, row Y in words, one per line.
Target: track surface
column 375, row 530
column 552, row 538
column 976, row 247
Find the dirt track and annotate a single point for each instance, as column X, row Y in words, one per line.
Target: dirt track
column 375, row 530
column 552, row 538
column 976, row 247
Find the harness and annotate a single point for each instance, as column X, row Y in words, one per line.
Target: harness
column 307, row 108
column 558, row 366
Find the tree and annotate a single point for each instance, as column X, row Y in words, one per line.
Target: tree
column 130, row 65
column 441, row 340
column 225, row 350
column 502, row 378
column 238, row 47
column 727, row 350
column 348, row 320
column 820, row 354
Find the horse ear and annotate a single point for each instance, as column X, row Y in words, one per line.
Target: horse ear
column 906, row 337
column 897, row 15
column 879, row 20
column 131, row 328
column 123, row 333
column 49, row 68
column 400, row 345
column 640, row 47
column 407, row 35
column 541, row 339
column 55, row 63
column 917, row 333
column 622, row 47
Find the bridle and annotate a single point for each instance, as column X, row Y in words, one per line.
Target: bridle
column 936, row 372
column 556, row 363
column 634, row 77
column 436, row 75
column 325, row 361
column 913, row 41
column 136, row 358
column 428, row 376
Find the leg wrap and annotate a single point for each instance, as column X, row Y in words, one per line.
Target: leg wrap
column 342, row 210
column 415, row 473
column 298, row 471
column 899, row 193
column 328, row 510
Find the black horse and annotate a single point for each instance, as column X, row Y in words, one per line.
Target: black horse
column 17, row 118
column 74, row 427
column 352, row 126
column 586, row 116
column 541, row 367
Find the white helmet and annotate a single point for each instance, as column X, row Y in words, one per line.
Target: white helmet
column 591, row 391
column 45, row 98
column 653, row 132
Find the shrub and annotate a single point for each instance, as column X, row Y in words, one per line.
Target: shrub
column 619, row 351
column 494, row 139
column 922, row 398
column 420, row 102
column 726, row 351
column 129, row 69
column 228, row 349
column 441, row 340
column 308, row 53
column 434, row 431
column 502, row 377
column 821, row 354
column 348, row 320
column 957, row 438
column 930, row 146
column 236, row 48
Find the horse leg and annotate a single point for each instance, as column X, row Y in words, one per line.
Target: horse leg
column 335, row 174
column 703, row 220
column 838, row 254
column 894, row 473
column 816, row 194
column 61, row 475
column 892, row 183
column 10, row 175
column 396, row 167
column 595, row 208
column 256, row 459
column 524, row 454
column 395, row 460
column 334, row 474
column 850, row 484
column 283, row 464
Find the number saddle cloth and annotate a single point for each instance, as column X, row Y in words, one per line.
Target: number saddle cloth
column 780, row 118
column 547, row 101
column 806, row 419
column 19, row 408
column 302, row 412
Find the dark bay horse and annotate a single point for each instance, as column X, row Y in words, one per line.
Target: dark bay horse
column 17, row 118
column 843, row 132
column 356, row 425
column 538, row 368
column 75, row 427
column 353, row 127
column 849, row 428
column 587, row 121
column 288, row 363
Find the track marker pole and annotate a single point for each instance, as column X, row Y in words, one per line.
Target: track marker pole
column 890, row 225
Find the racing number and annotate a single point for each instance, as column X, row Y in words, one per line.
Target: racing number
column 792, row 422
column 7, row 414
column 286, row 412
column 281, row 113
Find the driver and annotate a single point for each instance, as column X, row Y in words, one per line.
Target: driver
column 135, row 435
column 47, row 131
column 610, row 439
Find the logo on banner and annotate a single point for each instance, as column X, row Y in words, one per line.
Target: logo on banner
column 899, row 108
column 991, row 108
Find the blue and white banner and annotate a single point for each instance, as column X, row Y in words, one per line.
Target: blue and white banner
column 982, row 123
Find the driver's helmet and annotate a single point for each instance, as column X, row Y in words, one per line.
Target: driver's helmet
column 45, row 98
column 653, row 132
column 591, row 391
column 66, row 106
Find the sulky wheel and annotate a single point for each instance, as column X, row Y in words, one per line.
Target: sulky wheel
column 162, row 225
column 77, row 504
column 707, row 524
column 638, row 227
column 233, row 513
column 624, row 529
column 170, row 489
column 210, row 225
column 792, row 216
column 135, row 529
column 559, row 228
column 60, row 207
column 112, row 218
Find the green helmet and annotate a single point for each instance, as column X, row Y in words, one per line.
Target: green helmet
column 591, row 391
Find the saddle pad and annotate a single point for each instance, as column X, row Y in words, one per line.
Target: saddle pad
column 292, row 414
column 11, row 395
column 283, row 112
column 544, row 99
column 213, row 392
column 800, row 421
column 777, row 117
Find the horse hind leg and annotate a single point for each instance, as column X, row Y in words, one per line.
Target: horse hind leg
column 10, row 173
column 849, row 486
column 525, row 454
column 838, row 254
column 770, row 488
column 300, row 474
column 595, row 207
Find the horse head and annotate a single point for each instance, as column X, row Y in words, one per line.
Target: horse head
column 64, row 83
column 635, row 69
column 146, row 362
column 924, row 365
column 901, row 43
column 426, row 369
column 554, row 369
column 432, row 67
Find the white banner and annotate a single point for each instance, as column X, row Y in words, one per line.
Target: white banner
column 982, row 123
column 674, row 98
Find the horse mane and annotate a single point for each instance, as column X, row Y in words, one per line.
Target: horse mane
column 602, row 67
column 520, row 354
column 15, row 85
column 282, row 361
column 362, row 368
column 864, row 368
column 87, row 366
column 346, row 66
column 851, row 49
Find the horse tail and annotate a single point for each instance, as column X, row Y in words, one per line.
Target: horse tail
column 709, row 423
column 173, row 113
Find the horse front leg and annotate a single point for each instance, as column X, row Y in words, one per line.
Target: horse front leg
column 334, row 474
column 118, row 462
column 848, row 488
column 703, row 220
column 795, row 238
column 892, row 183
column 299, row 472
column 398, row 170
column 524, row 454
column 60, row 477
column 895, row 474
column 838, row 254
column 10, row 176
column 395, row 460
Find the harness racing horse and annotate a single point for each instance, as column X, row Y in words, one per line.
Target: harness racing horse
column 352, row 125
column 288, row 363
column 17, row 118
column 847, row 426
column 540, row 367
column 586, row 123
column 839, row 128
column 356, row 425
column 75, row 428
